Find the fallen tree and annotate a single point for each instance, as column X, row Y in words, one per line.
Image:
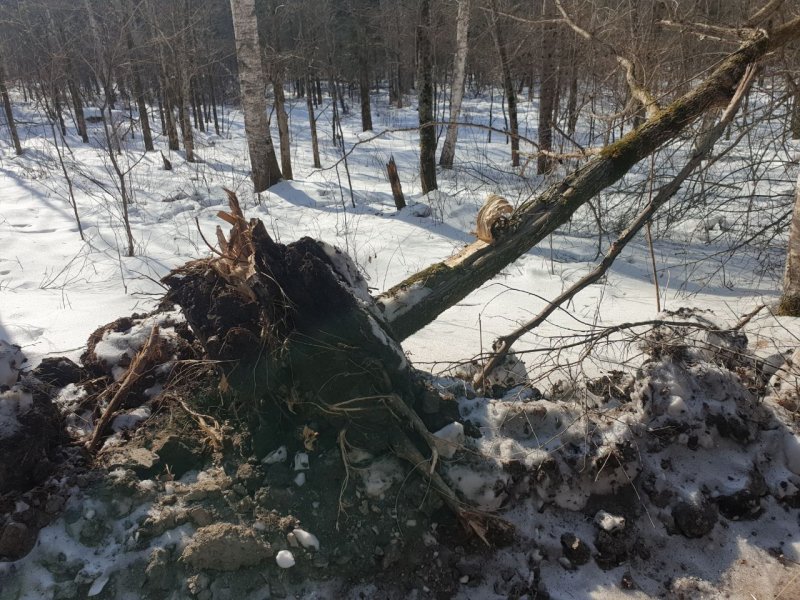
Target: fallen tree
column 418, row 300
column 300, row 340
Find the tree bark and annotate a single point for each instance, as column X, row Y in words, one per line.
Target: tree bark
column 508, row 82
column 394, row 180
column 263, row 162
column 283, row 127
column 12, row 126
column 312, row 122
column 363, row 92
column 547, row 96
column 459, row 77
column 415, row 302
column 790, row 298
column 427, row 129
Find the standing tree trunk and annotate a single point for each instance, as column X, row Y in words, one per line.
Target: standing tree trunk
column 283, row 126
column 213, row 101
column 312, row 122
column 185, row 118
column 547, row 96
column 169, row 115
column 459, row 77
column 263, row 162
column 790, row 299
column 508, row 83
column 141, row 104
column 394, row 181
column 794, row 114
column 12, row 126
column 427, row 129
column 363, row 92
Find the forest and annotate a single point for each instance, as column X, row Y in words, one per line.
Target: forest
column 469, row 299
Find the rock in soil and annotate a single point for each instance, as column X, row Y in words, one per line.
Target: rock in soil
column 694, row 520
column 575, row 549
column 225, row 547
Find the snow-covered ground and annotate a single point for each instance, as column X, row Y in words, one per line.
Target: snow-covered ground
column 55, row 289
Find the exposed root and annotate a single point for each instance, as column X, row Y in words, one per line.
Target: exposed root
column 148, row 356
column 484, row 525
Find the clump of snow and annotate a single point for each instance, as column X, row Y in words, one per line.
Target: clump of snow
column 118, row 345
column 381, row 475
column 278, row 455
column 300, row 479
column 130, row 419
column 608, row 522
column 509, row 373
column 11, row 361
column 284, row 559
column 301, row 461
column 13, row 403
column 484, row 488
column 791, row 448
column 306, row 539
column 449, row 439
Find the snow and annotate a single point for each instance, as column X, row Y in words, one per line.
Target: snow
column 301, row 461
column 116, row 345
column 451, row 438
column 306, row 539
column 278, row 455
column 608, row 522
column 11, row 361
column 285, row 559
column 50, row 305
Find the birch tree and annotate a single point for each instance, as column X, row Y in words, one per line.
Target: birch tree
column 252, row 83
column 459, row 77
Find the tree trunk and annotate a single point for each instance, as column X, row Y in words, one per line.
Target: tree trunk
column 283, row 127
column 312, row 122
column 459, row 77
column 415, row 302
column 363, row 92
column 185, row 118
column 12, row 126
column 794, row 113
column 790, row 298
column 394, row 180
column 427, row 129
column 169, row 115
column 572, row 100
column 508, row 82
column 263, row 162
column 547, row 97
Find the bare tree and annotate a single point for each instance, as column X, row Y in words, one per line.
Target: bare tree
column 263, row 162
column 12, row 126
column 508, row 82
column 459, row 77
column 427, row 127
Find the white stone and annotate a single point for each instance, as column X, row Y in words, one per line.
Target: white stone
column 285, row 559
column 306, row 539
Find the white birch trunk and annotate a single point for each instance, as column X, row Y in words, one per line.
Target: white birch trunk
column 252, row 84
column 459, row 76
